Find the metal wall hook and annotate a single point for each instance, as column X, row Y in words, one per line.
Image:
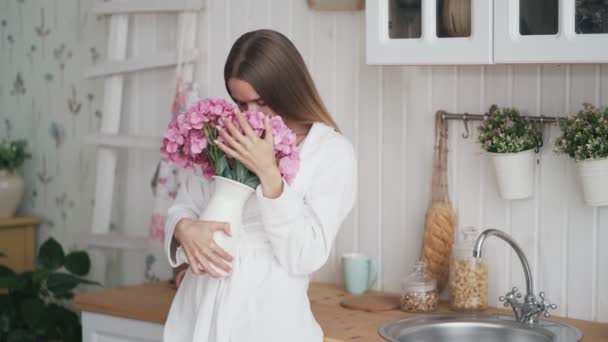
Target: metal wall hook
column 540, row 143
column 465, row 120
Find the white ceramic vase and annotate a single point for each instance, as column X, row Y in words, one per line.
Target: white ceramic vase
column 594, row 179
column 11, row 192
column 514, row 174
column 226, row 205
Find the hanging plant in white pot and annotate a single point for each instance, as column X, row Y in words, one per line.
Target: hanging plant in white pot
column 511, row 142
column 12, row 155
column 585, row 139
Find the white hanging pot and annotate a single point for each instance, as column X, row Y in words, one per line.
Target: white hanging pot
column 226, row 205
column 594, row 179
column 514, row 174
column 11, row 192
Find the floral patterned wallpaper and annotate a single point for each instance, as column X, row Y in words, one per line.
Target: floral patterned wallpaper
column 45, row 48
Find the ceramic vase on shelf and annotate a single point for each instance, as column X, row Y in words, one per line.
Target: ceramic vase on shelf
column 514, row 174
column 594, row 179
column 226, row 204
column 11, row 192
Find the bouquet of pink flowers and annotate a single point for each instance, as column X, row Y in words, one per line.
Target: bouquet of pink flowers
column 190, row 141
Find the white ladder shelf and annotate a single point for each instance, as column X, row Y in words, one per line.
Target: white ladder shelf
column 109, row 139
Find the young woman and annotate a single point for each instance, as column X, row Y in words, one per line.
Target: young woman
column 290, row 228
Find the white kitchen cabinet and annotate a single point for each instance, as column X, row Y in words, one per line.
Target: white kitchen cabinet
column 501, row 31
column 429, row 31
column 550, row 31
column 105, row 328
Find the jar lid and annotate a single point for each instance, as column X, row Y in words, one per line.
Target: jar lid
column 465, row 242
column 419, row 280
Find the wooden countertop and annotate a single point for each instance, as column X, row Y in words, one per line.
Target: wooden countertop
column 19, row 221
column 151, row 302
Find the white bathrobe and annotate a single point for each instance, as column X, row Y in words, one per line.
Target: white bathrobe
column 287, row 239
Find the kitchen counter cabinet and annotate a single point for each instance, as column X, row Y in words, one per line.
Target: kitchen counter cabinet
column 137, row 313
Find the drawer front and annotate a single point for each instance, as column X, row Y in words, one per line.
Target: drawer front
column 13, row 244
column 105, row 328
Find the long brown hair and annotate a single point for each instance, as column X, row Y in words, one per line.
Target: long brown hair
column 270, row 62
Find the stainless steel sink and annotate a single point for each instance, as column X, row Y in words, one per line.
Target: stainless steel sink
column 477, row 327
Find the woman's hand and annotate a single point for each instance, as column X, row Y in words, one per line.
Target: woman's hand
column 196, row 238
column 257, row 154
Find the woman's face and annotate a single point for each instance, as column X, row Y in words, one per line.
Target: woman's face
column 247, row 98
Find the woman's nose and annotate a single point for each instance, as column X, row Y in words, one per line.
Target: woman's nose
column 252, row 106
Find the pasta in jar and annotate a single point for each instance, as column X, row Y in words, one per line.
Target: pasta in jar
column 468, row 276
column 468, row 285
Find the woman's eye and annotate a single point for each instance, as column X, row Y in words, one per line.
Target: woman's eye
column 261, row 103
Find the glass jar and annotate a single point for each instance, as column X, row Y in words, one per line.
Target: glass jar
column 419, row 291
column 468, row 282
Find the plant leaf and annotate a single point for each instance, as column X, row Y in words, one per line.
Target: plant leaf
column 26, row 286
column 69, row 324
column 240, row 171
column 31, row 311
column 20, row 335
column 8, row 278
column 64, row 295
column 78, row 262
column 51, row 255
column 221, row 165
column 40, row 275
column 5, row 323
column 88, row 282
column 9, row 282
column 252, row 181
column 4, row 271
column 61, row 282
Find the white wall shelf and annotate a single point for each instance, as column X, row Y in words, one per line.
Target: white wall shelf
column 124, row 141
column 116, row 241
column 160, row 60
column 145, row 6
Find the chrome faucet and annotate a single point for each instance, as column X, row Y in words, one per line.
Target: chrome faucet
column 531, row 308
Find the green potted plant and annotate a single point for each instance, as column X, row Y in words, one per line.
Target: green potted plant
column 511, row 141
column 36, row 307
column 584, row 138
column 12, row 155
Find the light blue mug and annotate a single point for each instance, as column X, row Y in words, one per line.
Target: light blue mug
column 360, row 272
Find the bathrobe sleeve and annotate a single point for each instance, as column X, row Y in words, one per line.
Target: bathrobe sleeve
column 302, row 229
column 189, row 203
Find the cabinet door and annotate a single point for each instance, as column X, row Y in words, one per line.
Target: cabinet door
column 429, row 31
column 105, row 328
column 550, row 31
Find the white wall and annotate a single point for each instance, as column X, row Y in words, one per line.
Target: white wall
column 388, row 112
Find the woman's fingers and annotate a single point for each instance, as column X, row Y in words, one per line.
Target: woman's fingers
column 234, row 133
column 213, row 258
column 234, row 145
column 268, row 131
column 229, row 151
column 198, row 266
column 245, row 125
column 223, row 226
column 220, row 251
column 190, row 257
column 210, row 270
